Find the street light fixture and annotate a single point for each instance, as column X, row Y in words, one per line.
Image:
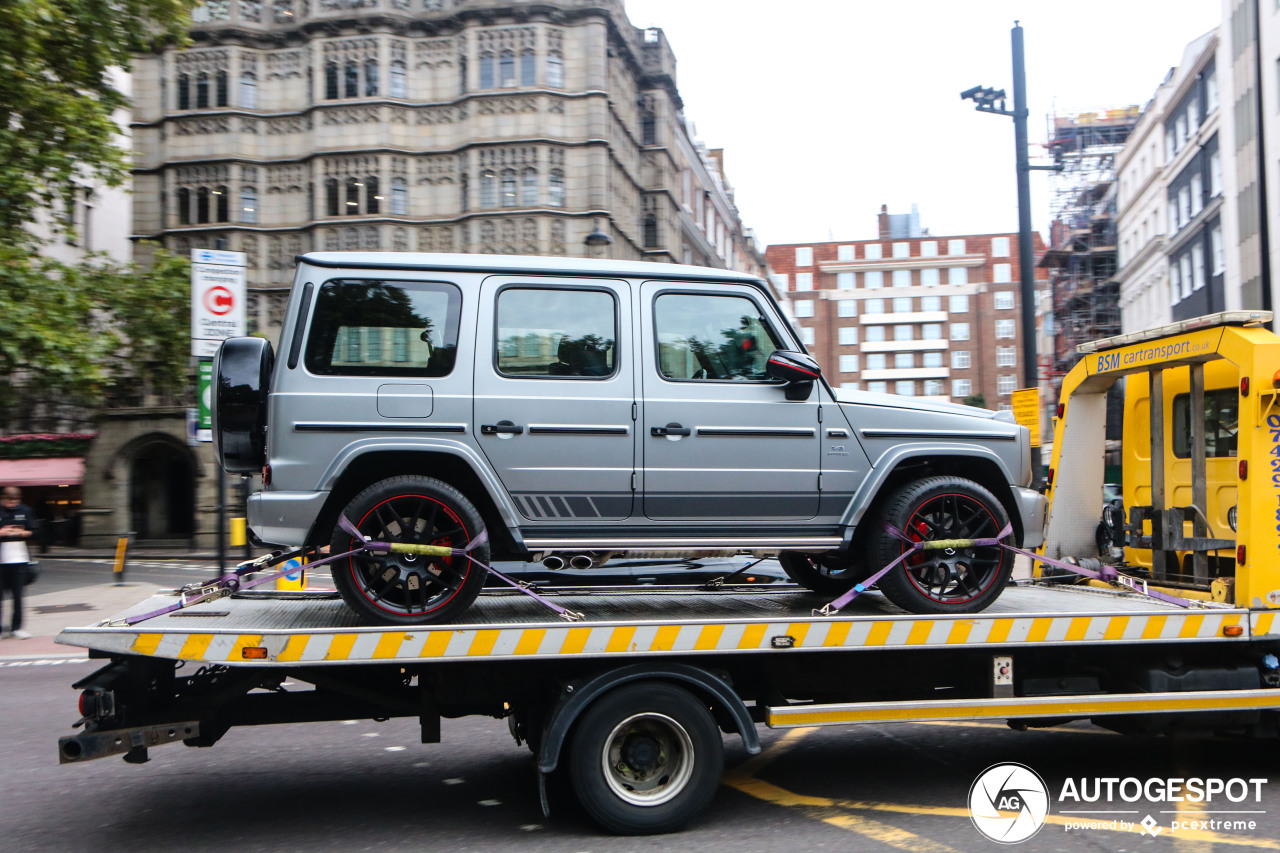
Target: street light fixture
column 597, row 240
column 988, row 100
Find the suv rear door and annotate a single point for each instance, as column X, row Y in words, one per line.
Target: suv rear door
column 554, row 394
column 720, row 440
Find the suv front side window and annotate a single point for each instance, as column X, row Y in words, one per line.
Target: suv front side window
column 546, row 332
column 384, row 328
column 711, row 337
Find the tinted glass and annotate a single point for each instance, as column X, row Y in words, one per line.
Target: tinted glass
column 545, row 332
column 1221, row 423
column 384, row 328
column 711, row 337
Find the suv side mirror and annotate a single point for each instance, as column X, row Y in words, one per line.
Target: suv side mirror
column 797, row 369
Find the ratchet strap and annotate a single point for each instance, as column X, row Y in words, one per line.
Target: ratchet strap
column 1109, row 574
column 236, row 581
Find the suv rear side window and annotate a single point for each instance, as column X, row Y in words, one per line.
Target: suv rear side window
column 365, row 327
column 545, row 332
column 709, row 337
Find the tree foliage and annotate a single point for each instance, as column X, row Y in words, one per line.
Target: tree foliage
column 57, row 97
column 77, row 337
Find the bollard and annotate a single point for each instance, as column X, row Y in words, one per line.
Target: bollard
column 122, row 550
column 295, row 580
column 237, row 536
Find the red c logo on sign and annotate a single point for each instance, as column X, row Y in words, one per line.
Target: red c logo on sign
column 218, row 300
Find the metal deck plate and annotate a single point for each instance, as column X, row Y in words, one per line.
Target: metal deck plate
column 506, row 625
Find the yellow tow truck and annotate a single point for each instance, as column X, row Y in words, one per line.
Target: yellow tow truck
column 1201, row 450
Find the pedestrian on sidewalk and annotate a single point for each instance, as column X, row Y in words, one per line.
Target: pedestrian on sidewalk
column 17, row 524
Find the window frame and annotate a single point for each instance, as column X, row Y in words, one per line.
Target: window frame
column 528, row 285
column 780, row 341
column 450, row 333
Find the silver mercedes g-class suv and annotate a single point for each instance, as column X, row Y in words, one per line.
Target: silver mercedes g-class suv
column 580, row 410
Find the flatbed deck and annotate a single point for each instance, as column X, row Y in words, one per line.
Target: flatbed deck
column 318, row 629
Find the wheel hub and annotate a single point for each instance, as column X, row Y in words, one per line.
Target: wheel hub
column 641, row 753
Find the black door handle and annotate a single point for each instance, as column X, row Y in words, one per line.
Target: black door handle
column 501, row 428
column 671, row 429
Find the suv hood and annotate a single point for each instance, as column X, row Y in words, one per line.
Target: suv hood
column 868, row 398
column 890, row 428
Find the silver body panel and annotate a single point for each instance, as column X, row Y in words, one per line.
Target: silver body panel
column 578, row 464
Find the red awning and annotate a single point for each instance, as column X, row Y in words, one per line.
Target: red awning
column 62, row 471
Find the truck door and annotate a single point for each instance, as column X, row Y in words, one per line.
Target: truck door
column 554, row 391
column 720, row 440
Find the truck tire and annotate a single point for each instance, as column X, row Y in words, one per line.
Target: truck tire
column 409, row 589
column 964, row 580
column 828, row 574
column 646, row 758
column 241, row 377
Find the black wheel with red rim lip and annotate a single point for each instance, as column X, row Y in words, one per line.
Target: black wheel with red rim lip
column 948, row 580
column 410, row 589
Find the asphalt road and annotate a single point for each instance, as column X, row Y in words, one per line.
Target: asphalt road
column 363, row 785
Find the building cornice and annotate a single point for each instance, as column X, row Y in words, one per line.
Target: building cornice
column 915, row 263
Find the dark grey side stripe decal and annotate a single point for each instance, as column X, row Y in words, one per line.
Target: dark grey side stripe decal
column 353, row 427
column 912, row 434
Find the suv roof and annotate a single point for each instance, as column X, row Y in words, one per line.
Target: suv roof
column 520, row 264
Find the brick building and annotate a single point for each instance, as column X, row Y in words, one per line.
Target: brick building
column 908, row 312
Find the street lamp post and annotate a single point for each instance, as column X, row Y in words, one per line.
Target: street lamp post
column 988, row 100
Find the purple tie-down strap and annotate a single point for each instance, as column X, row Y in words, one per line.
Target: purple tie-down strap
column 1108, row 574
column 444, row 551
column 923, row 545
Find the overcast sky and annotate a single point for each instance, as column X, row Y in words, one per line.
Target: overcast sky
column 827, row 109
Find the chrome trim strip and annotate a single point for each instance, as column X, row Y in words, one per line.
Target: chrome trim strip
column 755, row 432
column 323, row 426
column 592, row 429
column 690, row 544
column 837, row 433
column 928, row 433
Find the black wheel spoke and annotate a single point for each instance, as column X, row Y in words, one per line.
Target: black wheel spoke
column 410, row 520
column 380, row 515
column 379, row 586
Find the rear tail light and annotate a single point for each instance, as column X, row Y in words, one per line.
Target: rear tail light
column 1240, row 555
column 266, row 475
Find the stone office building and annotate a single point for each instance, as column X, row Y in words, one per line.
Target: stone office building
column 426, row 125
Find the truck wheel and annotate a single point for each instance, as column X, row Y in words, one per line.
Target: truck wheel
column 241, row 376
column 646, row 758
column 963, row 580
column 409, row 589
column 829, row 574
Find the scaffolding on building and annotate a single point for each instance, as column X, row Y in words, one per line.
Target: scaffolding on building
column 1081, row 256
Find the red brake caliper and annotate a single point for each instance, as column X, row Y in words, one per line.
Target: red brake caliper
column 917, row 533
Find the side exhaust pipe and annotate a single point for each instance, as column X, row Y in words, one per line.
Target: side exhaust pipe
column 581, row 561
column 553, row 561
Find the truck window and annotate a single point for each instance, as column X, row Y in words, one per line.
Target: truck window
column 710, row 337
column 1221, row 421
column 553, row 332
column 384, row 328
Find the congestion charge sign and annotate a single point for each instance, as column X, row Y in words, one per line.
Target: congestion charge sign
column 217, row 299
